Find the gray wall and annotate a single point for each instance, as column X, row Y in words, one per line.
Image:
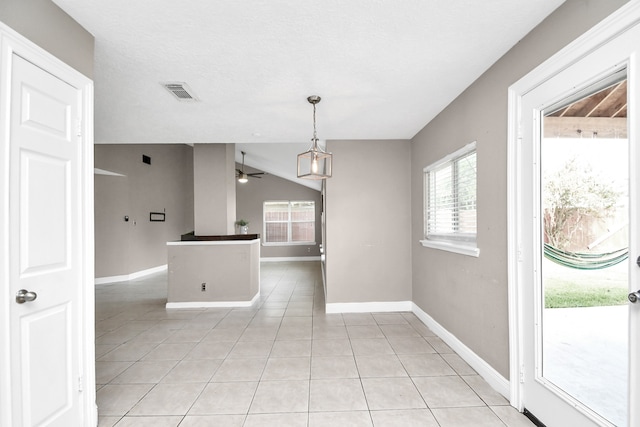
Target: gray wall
column 368, row 253
column 45, row 24
column 250, row 198
column 468, row 296
column 214, row 189
column 167, row 184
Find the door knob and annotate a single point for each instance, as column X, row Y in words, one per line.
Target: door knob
column 24, row 295
column 634, row 296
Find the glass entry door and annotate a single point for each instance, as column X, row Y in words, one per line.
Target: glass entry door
column 578, row 238
column 584, row 274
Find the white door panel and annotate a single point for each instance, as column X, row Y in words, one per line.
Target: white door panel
column 48, row 386
column 44, row 225
column 45, row 112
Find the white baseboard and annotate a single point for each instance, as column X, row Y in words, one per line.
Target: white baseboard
column 111, row 279
column 486, row 371
column 368, row 307
column 323, row 266
column 132, row 276
column 213, row 304
column 287, row 259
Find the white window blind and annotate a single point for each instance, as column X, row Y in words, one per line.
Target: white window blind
column 289, row 222
column 450, row 197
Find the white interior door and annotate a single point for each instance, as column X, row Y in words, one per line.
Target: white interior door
column 47, row 327
column 45, row 236
column 555, row 371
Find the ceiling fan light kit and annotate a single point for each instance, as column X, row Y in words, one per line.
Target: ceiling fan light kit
column 244, row 177
column 314, row 163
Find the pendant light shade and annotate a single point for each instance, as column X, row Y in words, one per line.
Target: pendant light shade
column 314, row 163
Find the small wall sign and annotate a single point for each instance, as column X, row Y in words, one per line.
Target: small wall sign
column 156, row 216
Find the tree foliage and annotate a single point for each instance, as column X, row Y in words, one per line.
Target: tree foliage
column 571, row 195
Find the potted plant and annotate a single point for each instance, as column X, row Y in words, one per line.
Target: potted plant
column 243, row 226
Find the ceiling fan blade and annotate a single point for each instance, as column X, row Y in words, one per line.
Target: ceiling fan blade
column 256, row 174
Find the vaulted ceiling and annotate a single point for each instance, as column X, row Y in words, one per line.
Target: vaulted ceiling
column 384, row 68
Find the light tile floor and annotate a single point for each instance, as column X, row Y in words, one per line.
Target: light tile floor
column 283, row 363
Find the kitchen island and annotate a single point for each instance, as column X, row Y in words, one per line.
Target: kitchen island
column 214, row 271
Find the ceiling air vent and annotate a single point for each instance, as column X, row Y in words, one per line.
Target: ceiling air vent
column 181, row 91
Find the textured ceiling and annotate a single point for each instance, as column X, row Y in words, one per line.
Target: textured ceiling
column 384, row 68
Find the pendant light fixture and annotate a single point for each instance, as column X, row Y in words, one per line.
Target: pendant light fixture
column 314, row 163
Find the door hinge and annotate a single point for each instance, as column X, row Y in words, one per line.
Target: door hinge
column 80, row 383
column 519, row 132
column 522, row 375
column 79, row 126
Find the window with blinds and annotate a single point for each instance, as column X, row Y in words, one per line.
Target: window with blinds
column 450, row 198
column 289, row 222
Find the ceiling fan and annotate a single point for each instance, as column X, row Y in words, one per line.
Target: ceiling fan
column 244, row 177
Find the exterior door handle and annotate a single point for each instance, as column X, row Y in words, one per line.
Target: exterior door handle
column 24, row 295
column 634, row 296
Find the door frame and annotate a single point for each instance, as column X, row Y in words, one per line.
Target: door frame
column 610, row 28
column 12, row 43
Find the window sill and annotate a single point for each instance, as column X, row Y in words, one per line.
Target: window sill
column 289, row 244
column 456, row 247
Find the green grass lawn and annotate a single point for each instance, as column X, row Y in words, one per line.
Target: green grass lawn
column 562, row 292
column 569, row 287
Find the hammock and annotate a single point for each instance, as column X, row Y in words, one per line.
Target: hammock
column 583, row 261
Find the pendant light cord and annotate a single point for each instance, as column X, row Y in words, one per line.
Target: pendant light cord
column 315, row 138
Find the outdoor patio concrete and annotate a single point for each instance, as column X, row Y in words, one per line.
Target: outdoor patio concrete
column 586, row 355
